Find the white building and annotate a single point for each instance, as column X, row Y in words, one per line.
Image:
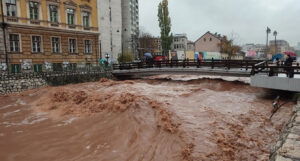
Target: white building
column 110, row 26
column 179, row 42
column 259, row 50
column 130, row 24
column 119, row 27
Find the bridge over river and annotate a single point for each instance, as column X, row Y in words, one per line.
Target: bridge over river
column 263, row 74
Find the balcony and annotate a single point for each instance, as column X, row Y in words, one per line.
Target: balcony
column 12, row 19
column 35, row 22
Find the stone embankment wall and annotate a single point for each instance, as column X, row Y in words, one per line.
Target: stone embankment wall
column 22, row 82
column 288, row 145
column 18, row 85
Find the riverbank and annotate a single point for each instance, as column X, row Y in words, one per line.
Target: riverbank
column 288, row 145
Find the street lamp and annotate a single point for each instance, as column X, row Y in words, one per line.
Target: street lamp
column 275, row 33
column 267, row 43
column 107, row 56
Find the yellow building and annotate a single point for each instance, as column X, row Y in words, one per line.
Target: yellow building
column 51, row 34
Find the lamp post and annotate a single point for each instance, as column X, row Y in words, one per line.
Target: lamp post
column 3, row 26
column 107, row 57
column 275, row 33
column 267, row 43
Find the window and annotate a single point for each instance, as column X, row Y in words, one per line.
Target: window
column 36, row 44
column 37, row 68
column 71, row 16
column 87, row 46
column 34, row 10
column 55, row 44
column 210, row 39
column 204, row 39
column 15, row 68
column 57, row 67
column 11, row 8
column 72, row 66
column 72, row 45
column 14, row 42
column 53, row 13
column 86, row 19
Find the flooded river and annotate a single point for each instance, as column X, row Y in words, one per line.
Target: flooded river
column 156, row 119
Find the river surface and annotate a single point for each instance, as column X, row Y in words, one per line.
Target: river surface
column 162, row 118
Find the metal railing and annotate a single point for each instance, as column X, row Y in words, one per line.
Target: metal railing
column 274, row 69
column 227, row 64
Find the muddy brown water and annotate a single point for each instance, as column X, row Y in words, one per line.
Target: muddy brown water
column 140, row 120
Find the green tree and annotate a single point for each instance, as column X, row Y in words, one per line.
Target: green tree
column 165, row 26
column 126, row 57
column 228, row 47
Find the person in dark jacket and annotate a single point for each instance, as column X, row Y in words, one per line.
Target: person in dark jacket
column 288, row 64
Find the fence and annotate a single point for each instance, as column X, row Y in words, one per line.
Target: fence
column 275, row 69
column 228, row 64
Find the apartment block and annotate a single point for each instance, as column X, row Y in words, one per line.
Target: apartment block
column 130, row 25
column 51, row 34
column 110, row 23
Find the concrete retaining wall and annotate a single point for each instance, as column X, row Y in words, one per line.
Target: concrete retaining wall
column 280, row 83
column 288, row 145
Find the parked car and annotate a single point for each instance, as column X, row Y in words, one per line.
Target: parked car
column 160, row 58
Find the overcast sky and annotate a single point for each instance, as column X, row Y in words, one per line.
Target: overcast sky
column 245, row 20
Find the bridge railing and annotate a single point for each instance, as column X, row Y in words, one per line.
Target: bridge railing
column 274, row 69
column 212, row 63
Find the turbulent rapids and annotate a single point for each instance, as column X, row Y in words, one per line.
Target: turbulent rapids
column 155, row 119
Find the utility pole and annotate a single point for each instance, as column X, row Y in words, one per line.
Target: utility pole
column 3, row 26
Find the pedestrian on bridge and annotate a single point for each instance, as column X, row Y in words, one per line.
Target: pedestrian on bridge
column 288, row 64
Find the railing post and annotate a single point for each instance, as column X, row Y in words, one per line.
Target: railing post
column 247, row 65
column 183, row 63
column 253, row 70
column 198, row 63
column 212, row 63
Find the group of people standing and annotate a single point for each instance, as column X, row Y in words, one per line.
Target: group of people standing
column 287, row 66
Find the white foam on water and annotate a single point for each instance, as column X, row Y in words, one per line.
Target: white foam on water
column 21, row 102
column 67, row 122
column 10, row 113
column 5, row 107
column 28, row 121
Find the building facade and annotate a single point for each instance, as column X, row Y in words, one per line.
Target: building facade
column 254, row 50
column 149, row 44
column 208, row 43
column 110, row 25
column 51, row 34
column 279, row 46
column 130, row 26
column 179, row 42
column 191, row 46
